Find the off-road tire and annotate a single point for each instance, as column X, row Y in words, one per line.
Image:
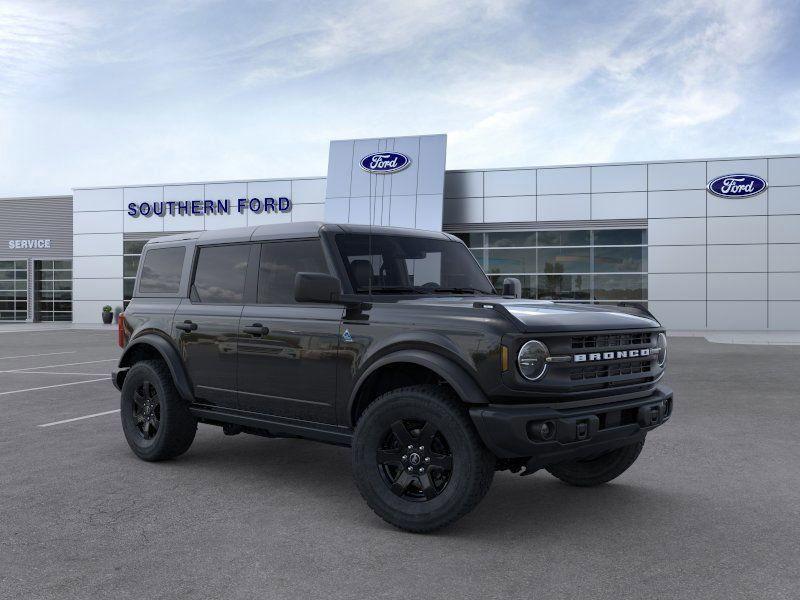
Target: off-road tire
column 177, row 426
column 604, row 468
column 472, row 464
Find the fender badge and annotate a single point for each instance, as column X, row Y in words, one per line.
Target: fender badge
column 346, row 336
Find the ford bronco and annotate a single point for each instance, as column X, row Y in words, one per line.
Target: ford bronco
column 390, row 341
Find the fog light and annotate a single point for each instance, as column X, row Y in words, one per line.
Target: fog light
column 542, row 430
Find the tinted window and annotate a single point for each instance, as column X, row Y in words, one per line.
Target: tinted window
column 129, row 247
column 280, row 262
column 512, row 261
column 564, row 260
column 620, row 237
column 161, row 272
column 564, row 238
column 610, row 260
column 410, row 264
column 620, row 287
column 512, row 238
column 220, row 274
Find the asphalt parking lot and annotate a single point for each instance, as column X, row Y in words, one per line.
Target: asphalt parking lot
column 710, row 510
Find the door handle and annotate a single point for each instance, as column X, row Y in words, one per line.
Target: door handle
column 186, row 326
column 256, row 329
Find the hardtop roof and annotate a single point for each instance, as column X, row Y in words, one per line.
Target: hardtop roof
column 302, row 229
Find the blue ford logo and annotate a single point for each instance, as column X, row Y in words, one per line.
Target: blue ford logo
column 384, row 163
column 737, row 186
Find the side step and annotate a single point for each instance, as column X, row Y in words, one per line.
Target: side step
column 234, row 422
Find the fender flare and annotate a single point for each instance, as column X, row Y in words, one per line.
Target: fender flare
column 170, row 356
column 459, row 379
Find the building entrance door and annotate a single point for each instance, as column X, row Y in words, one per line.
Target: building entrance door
column 52, row 290
column 13, row 290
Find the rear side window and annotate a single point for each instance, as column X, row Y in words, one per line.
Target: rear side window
column 220, row 274
column 161, row 271
column 280, row 262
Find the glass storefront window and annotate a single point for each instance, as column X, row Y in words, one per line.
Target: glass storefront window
column 13, row 290
column 601, row 265
column 130, row 264
column 53, row 285
column 564, row 238
column 620, row 260
column 511, row 261
column 564, row 287
column 511, row 239
column 133, row 247
column 132, row 253
column 620, row 287
column 620, row 237
column 564, row 260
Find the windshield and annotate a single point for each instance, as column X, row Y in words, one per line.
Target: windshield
column 394, row 264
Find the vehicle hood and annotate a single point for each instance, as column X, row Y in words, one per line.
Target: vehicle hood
column 547, row 316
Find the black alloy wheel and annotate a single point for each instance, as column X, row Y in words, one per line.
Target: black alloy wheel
column 415, row 460
column 156, row 421
column 418, row 460
column 147, row 409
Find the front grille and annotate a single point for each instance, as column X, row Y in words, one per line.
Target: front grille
column 605, row 371
column 614, row 340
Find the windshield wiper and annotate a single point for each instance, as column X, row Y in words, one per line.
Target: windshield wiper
column 389, row 289
column 459, row 290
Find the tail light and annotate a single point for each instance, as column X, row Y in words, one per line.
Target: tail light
column 122, row 337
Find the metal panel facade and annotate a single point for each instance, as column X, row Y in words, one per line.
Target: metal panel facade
column 99, row 221
column 27, row 219
column 731, row 263
column 410, row 197
column 713, row 262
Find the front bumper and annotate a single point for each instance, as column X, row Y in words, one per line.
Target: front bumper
column 514, row 431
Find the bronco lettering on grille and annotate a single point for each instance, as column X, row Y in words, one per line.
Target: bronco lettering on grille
column 595, row 356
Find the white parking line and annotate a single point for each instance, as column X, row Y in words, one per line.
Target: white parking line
column 63, row 373
column 87, row 362
column 35, row 355
column 108, row 412
column 47, row 387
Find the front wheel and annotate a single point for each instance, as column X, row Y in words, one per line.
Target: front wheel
column 593, row 471
column 417, row 459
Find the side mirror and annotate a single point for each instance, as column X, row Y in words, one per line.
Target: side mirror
column 317, row 287
column 512, row 287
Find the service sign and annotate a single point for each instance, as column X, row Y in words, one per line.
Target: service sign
column 28, row 244
column 737, row 186
column 385, row 163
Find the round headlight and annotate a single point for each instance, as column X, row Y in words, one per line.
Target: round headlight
column 662, row 352
column 531, row 360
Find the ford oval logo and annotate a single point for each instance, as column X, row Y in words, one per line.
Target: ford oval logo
column 384, row 163
column 737, row 186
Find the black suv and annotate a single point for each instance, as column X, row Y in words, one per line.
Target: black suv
column 393, row 342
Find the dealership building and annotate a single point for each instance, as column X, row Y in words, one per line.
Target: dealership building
column 708, row 245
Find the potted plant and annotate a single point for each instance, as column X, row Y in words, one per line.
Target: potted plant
column 108, row 315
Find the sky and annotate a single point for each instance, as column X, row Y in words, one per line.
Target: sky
column 110, row 93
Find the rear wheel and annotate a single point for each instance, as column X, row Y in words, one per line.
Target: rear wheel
column 155, row 419
column 593, row 471
column 417, row 459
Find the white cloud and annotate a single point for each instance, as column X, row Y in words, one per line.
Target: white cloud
column 663, row 68
column 381, row 31
column 35, row 38
column 95, row 93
